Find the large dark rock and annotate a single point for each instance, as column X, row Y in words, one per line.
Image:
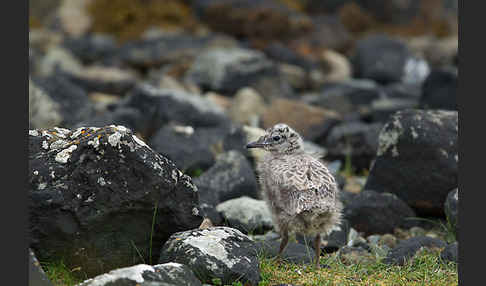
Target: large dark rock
column 190, row 149
column 377, row 213
column 451, row 209
column 417, row 159
column 146, row 275
column 449, row 253
column 92, row 48
column 228, row 69
column 246, row 214
column 74, row 104
column 406, row 249
column 93, row 194
column 281, row 53
column 332, row 242
column 230, row 177
column 216, row 252
column 439, row 90
column 355, row 139
column 380, row 58
column 37, row 276
column 297, row 253
column 162, row 106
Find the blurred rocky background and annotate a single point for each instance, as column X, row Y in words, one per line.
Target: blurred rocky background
column 371, row 85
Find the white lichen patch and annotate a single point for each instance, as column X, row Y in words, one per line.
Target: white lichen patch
column 139, row 141
column 101, row 181
column 59, row 144
column 52, row 175
column 195, row 211
column 95, row 142
column 114, row 139
column 45, row 145
column 414, row 133
column 62, row 132
column 33, row 132
column 456, row 157
column 77, row 132
column 443, row 153
column 36, row 173
column 120, row 128
column 133, row 273
column 389, row 136
column 186, row 130
column 90, row 199
column 63, row 156
column 42, row 186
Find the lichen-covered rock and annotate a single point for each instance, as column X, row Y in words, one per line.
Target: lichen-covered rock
column 380, row 58
column 228, row 69
column 74, row 104
column 93, row 193
column 377, row 213
column 406, row 249
column 230, row 177
column 246, row 214
column 451, row 209
column 146, row 275
column 216, row 252
column 43, row 111
column 449, row 253
column 417, row 159
column 37, row 276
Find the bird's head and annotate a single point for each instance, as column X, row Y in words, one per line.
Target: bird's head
column 279, row 139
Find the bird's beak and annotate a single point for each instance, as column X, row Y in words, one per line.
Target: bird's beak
column 260, row 143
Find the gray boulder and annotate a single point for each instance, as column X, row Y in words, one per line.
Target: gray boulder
column 451, row 209
column 44, row 112
column 173, row 274
column 297, row 253
column 449, row 253
column 417, row 159
column 406, row 249
column 216, row 252
column 93, row 194
column 246, row 214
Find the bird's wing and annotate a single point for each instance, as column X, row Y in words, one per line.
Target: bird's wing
column 311, row 185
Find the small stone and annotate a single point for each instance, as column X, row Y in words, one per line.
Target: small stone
column 247, row 107
column 388, row 240
column 417, row 231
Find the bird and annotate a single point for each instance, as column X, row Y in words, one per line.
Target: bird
column 299, row 189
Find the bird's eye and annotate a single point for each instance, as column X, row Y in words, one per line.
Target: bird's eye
column 276, row 138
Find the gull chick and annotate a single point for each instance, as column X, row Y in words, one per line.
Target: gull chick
column 299, row 189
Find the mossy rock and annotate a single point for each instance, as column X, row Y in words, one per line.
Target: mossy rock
column 129, row 19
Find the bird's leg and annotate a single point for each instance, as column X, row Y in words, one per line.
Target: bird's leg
column 285, row 239
column 317, row 247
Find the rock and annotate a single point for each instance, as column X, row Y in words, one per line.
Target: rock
column 338, row 67
column 37, row 276
column 377, row 213
column 380, row 58
column 104, row 79
column 417, row 231
column 451, row 209
column 92, row 194
column 294, row 75
column 191, row 149
column 382, row 109
column 92, row 48
column 246, row 214
column 228, row 69
column 350, row 255
column 355, row 139
column 58, row 58
column 290, row 112
column 236, row 139
column 216, row 252
column 163, row 106
column 43, row 111
column 260, row 21
column 449, row 253
column 332, row 242
column 125, row 116
column 283, row 54
column 440, row 90
column 73, row 101
column 415, row 71
column 407, row 249
column 146, row 275
column 74, row 18
column 247, row 107
column 296, row 253
column 430, row 137
column 229, row 178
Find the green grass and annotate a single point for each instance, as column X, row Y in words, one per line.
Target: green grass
column 425, row 269
column 60, row 274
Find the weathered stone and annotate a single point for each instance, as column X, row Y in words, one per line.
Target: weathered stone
column 440, row 90
column 216, row 252
column 406, row 250
column 449, row 253
column 43, row 111
column 297, row 253
column 94, row 194
column 104, row 79
column 451, row 209
column 247, row 107
column 37, row 276
column 246, row 214
column 430, row 138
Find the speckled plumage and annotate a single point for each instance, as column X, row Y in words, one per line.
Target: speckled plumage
column 299, row 189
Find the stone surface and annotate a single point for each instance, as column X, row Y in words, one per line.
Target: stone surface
column 377, row 213
column 230, row 177
column 246, row 214
column 247, row 107
column 450, row 253
column 380, row 58
column 228, row 69
column 104, row 79
column 58, row 58
column 451, row 209
column 332, row 242
column 291, row 111
column 74, row 104
column 216, row 252
column 431, row 139
column 296, row 253
column 93, row 193
column 350, row 255
column 44, row 112
column 406, row 249
column 146, row 275
column 92, row 48
column 440, row 90
column 37, row 276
